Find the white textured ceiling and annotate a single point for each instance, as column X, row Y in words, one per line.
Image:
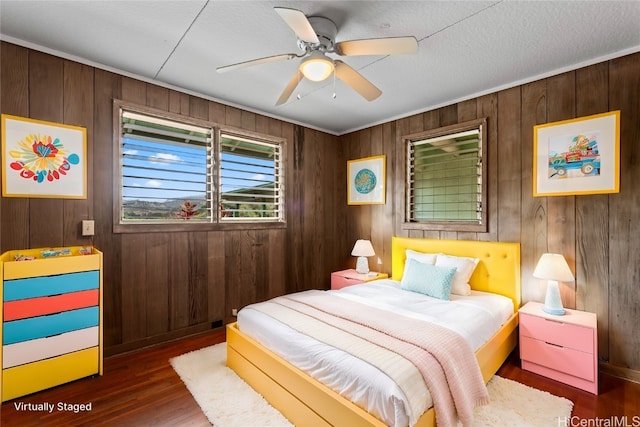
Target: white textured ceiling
column 466, row 48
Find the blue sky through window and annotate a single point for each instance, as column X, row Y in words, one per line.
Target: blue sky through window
column 154, row 171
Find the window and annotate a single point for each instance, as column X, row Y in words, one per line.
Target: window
column 446, row 178
column 250, row 179
column 166, row 170
column 175, row 173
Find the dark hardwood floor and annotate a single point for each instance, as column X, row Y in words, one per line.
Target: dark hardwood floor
column 137, row 389
column 141, row 389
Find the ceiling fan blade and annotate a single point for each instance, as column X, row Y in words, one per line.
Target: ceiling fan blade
column 288, row 90
column 258, row 61
column 384, row 46
column 299, row 23
column 357, row 82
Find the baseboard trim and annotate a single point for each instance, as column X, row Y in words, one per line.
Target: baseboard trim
column 155, row 340
column 620, row 372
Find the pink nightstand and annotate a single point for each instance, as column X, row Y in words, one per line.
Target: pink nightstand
column 564, row 348
column 344, row 278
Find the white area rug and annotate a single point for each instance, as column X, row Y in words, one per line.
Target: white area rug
column 228, row 401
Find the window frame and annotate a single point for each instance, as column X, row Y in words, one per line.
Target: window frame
column 187, row 226
column 463, row 226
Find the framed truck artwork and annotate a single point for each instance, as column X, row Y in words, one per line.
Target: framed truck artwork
column 577, row 156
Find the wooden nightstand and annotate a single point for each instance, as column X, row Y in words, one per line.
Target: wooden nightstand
column 564, row 348
column 344, row 278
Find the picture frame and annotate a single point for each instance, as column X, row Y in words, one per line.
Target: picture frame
column 366, row 181
column 577, row 156
column 43, row 159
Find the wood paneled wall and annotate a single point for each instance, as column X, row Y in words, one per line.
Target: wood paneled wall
column 598, row 234
column 159, row 286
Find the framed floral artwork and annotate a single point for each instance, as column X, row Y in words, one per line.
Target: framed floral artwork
column 366, row 181
column 577, row 156
column 43, row 159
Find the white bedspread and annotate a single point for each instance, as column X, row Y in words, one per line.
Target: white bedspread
column 475, row 317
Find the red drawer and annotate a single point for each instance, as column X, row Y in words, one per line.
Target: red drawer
column 561, row 359
column 557, row 332
column 22, row 309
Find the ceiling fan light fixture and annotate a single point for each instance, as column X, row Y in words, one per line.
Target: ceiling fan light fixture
column 316, row 67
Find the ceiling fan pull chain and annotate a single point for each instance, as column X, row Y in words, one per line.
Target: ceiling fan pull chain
column 334, row 84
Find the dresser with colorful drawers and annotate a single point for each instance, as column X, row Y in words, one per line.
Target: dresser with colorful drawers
column 51, row 318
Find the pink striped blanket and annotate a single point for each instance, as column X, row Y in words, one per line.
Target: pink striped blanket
column 445, row 360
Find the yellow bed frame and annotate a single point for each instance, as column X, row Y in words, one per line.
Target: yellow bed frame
column 307, row 402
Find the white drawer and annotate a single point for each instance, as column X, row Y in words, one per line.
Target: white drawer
column 44, row 348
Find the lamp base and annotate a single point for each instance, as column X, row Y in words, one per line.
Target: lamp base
column 554, row 311
column 552, row 301
column 362, row 265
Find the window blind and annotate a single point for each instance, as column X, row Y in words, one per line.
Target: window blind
column 445, row 178
column 166, row 170
column 251, row 184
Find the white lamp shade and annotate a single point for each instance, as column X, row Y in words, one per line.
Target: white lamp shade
column 363, row 248
column 553, row 267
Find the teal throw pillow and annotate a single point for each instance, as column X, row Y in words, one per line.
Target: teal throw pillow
column 427, row 279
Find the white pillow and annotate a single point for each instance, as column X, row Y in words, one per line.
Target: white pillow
column 464, row 269
column 422, row 257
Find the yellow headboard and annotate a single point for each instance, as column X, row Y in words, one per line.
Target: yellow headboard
column 498, row 270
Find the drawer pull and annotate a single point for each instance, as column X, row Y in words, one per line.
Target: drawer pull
column 54, row 335
column 553, row 344
column 52, row 314
column 554, row 321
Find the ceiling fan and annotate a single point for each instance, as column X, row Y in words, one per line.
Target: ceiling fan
column 316, row 38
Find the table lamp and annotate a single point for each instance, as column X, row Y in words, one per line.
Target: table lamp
column 362, row 249
column 554, row 268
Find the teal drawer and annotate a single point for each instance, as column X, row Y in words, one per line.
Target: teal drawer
column 50, row 285
column 46, row 326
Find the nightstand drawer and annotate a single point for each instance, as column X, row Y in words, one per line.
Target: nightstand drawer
column 557, row 332
column 344, row 278
column 339, row 282
column 562, row 359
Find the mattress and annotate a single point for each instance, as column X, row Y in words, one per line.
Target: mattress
column 475, row 317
